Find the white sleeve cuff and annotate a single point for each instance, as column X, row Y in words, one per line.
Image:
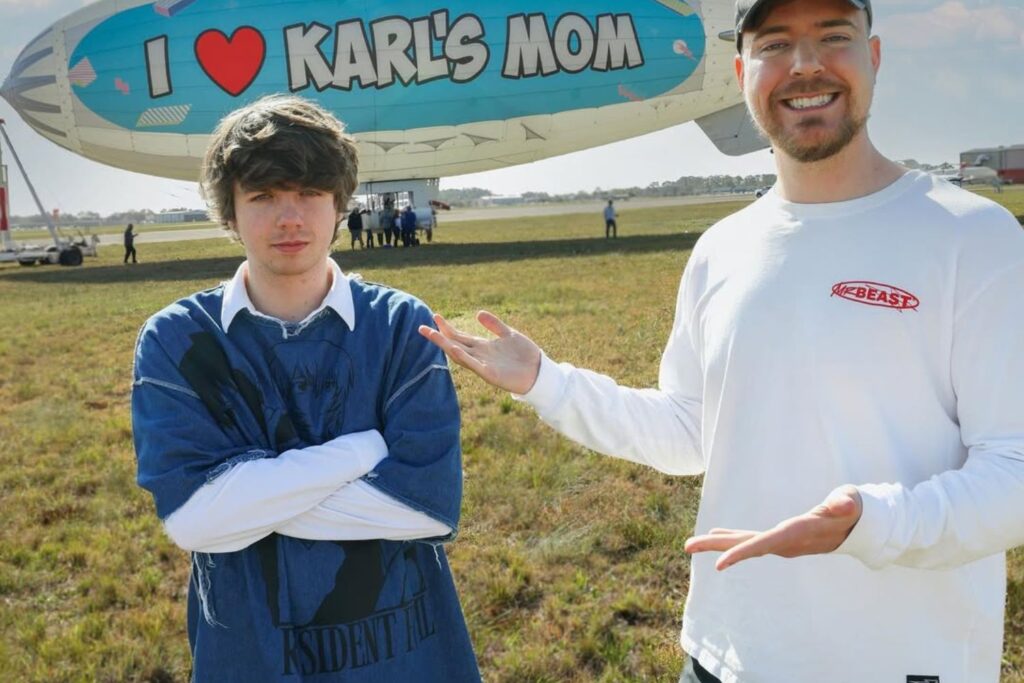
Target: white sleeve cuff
column 867, row 540
column 549, row 387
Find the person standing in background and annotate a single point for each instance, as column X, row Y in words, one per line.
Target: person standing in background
column 129, row 243
column 355, row 227
column 611, row 229
column 387, row 220
column 408, row 223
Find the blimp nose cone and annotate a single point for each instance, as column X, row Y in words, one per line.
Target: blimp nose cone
column 7, row 89
column 31, row 88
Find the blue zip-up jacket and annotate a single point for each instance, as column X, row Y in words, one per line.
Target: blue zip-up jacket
column 289, row 609
column 408, row 221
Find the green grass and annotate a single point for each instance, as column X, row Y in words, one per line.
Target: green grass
column 570, row 565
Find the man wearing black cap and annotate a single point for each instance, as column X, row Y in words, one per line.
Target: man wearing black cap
column 858, row 330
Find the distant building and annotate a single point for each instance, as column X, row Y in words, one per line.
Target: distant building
column 1008, row 162
column 500, row 200
column 181, row 217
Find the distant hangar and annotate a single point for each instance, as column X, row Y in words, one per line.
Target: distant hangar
column 1008, row 162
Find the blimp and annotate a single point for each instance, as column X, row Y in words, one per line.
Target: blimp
column 428, row 90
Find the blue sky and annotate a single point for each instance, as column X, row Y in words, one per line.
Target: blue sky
column 952, row 78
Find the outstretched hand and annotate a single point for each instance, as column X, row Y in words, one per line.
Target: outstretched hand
column 821, row 530
column 510, row 361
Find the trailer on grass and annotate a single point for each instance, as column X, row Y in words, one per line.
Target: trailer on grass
column 384, row 201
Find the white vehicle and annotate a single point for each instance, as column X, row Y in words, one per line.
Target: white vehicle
column 975, row 173
column 979, row 174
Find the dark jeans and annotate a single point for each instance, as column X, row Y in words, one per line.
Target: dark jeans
column 610, row 229
column 129, row 250
column 693, row 672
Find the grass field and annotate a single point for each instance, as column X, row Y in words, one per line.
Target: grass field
column 570, row 565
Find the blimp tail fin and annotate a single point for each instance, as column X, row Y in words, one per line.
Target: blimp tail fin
column 732, row 131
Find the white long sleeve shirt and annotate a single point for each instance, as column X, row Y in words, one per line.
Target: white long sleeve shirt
column 312, row 493
column 878, row 342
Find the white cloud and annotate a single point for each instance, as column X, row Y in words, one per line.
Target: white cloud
column 29, row 4
column 954, row 24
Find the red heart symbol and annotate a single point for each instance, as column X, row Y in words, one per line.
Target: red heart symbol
column 232, row 63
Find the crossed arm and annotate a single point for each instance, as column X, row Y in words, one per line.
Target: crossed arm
column 218, row 489
column 312, row 493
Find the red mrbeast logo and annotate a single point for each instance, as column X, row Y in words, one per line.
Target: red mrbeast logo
column 876, row 294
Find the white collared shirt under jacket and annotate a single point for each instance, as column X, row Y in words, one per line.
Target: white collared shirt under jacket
column 876, row 342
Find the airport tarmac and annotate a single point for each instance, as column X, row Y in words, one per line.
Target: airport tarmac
column 472, row 214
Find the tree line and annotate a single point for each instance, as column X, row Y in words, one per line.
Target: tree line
column 684, row 186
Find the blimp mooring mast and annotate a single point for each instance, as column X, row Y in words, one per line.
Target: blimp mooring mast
column 62, row 251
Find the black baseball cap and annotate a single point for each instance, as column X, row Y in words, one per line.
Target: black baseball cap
column 747, row 11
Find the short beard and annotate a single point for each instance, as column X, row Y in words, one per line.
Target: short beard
column 788, row 142
column 848, row 130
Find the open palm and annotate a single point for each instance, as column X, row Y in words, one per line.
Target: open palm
column 820, row 530
column 509, row 361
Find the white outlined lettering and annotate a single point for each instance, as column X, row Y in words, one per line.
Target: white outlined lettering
column 617, row 44
column 465, row 48
column 352, row 56
column 440, row 19
column 305, row 60
column 532, row 49
column 420, row 50
column 528, row 50
column 392, row 38
column 428, row 67
column 569, row 28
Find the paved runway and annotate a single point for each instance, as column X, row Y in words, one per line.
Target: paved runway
column 459, row 215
